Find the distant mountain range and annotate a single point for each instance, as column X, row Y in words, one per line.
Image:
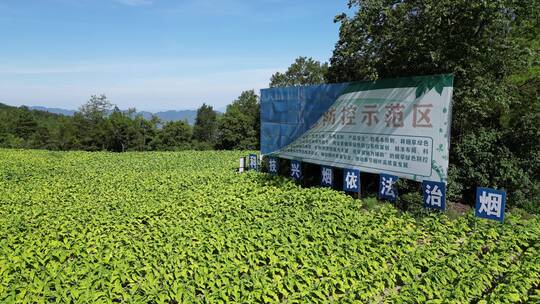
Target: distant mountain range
column 53, row 110
column 170, row 115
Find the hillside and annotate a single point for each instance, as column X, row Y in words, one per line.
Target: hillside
column 53, row 110
column 171, row 115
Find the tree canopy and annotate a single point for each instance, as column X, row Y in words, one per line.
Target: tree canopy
column 239, row 127
column 100, row 125
column 205, row 129
column 303, row 71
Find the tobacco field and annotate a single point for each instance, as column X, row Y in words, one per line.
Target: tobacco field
column 184, row 227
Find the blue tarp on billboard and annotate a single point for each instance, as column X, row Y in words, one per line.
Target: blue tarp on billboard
column 287, row 113
column 398, row 126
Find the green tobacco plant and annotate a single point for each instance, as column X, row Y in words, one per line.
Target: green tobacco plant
column 185, row 227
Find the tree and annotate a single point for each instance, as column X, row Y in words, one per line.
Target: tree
column 483, row 43
column 121, row 130
column 97, row 107
column 41, row 139
column 239, row 127
column 63, row 133
column 205, row 127
column 25, row 124
column 175, row 135
column 146, row 131
column 91, row 125
column 304, row 71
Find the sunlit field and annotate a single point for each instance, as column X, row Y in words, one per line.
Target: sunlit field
column 178, row 227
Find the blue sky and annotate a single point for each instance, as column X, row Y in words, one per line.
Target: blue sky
column 155, row 54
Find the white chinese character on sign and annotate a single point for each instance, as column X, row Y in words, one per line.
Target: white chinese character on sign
column 351, row 179
column 253, row 161
column 295, row 170
column 434, row 196
column 388, row 187
column 491, row 203
column 327, row 176
column 272, row 165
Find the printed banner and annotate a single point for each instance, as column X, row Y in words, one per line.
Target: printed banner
column 396, row 126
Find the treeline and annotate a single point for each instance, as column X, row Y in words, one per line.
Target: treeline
column 99, row 125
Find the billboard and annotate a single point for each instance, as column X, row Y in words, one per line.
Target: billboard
column 395, row 126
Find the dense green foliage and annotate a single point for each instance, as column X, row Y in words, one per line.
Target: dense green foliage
column 171, row 227
column 304, row 71
column 491, row 47
column 205, row 129
column 99, row 125
column 240, row 126
column 176, row 134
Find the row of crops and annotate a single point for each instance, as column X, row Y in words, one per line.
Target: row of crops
column 154, row 227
